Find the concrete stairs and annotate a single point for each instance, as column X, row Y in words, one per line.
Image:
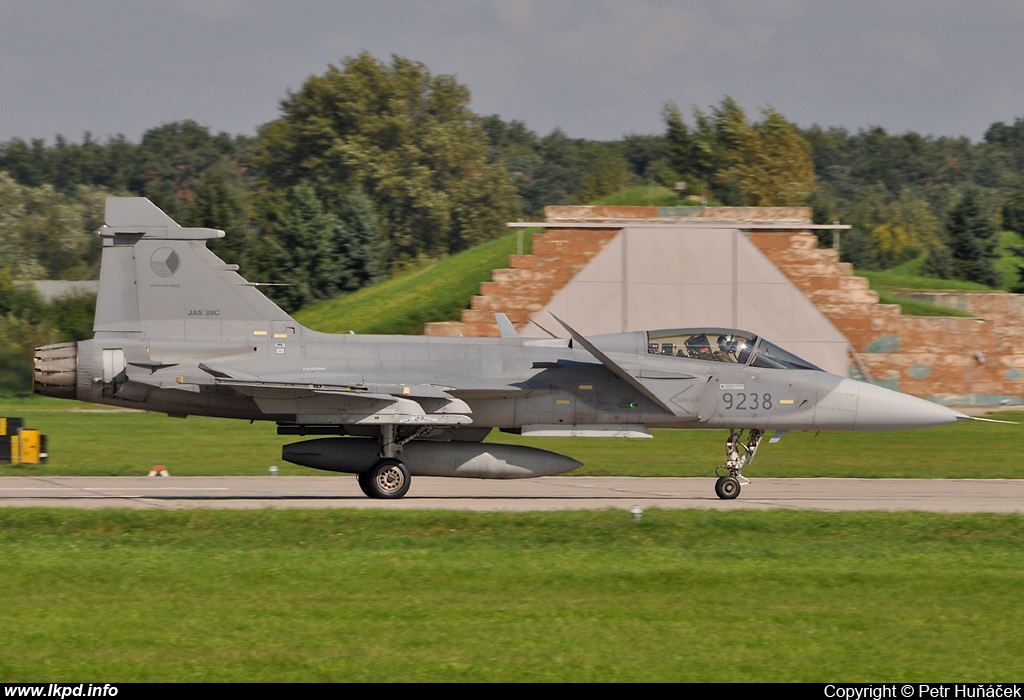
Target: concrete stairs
column 831, row 285
column 956, row 360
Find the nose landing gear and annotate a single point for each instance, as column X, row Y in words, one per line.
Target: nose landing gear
column 738, row 455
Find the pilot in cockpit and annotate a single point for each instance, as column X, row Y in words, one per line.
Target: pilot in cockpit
column 726, row 348
column 732, row 349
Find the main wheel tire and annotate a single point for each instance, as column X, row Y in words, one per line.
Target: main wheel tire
column 366, row 483
column 388, row 478
column 727, row 487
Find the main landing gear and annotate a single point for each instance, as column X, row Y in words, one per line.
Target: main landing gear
column 738, row 455
column 388, row 477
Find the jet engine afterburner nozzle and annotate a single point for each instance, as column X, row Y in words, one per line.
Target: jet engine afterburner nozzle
column 55, row 370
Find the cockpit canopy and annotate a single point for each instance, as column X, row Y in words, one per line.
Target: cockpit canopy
column 723, row 345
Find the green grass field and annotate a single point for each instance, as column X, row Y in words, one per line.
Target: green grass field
column 346, row 595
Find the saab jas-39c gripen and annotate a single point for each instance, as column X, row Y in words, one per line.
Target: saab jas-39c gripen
column 180, row 332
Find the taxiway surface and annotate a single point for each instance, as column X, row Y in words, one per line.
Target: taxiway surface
column 547, row 493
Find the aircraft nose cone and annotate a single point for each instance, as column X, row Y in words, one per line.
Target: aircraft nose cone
column 883, row 409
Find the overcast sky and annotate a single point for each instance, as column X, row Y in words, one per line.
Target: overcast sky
column 597, row 69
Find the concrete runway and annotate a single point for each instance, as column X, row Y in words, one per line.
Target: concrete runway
column 547, row 493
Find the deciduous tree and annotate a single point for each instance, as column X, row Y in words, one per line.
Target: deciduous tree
column 404, row 137
column 762, row 164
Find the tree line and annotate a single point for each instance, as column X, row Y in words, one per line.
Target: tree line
column 375, row 164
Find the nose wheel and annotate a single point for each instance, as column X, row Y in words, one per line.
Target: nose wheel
column 738, row 455
column 727, row 487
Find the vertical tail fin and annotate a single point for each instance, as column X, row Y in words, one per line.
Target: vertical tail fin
column 158, row 280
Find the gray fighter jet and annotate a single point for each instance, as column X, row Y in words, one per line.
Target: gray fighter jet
column 178, row 331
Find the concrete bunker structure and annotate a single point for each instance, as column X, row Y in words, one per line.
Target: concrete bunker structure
column 611, row 269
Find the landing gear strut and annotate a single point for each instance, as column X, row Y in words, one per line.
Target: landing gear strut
column 738, row 455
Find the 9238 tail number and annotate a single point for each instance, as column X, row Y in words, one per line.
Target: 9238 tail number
column 743, row 401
